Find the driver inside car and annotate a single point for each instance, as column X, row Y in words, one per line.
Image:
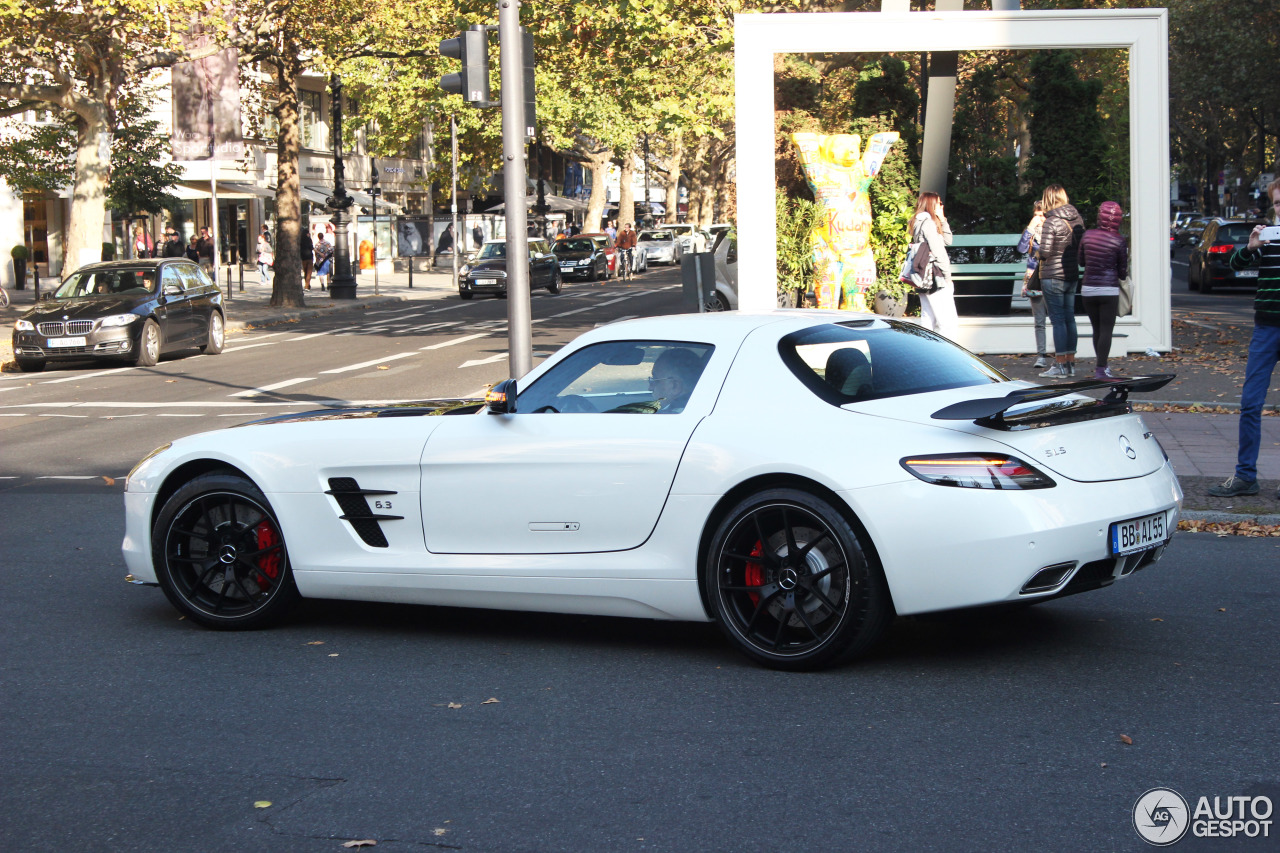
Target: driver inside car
column 672, row 380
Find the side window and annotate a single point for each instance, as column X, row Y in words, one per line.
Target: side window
column 170, row 279
column 620, row 377
column 190, row 276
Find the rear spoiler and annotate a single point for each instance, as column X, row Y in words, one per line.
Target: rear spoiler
column 989, row 411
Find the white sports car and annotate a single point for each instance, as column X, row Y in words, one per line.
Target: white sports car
column 797, row 477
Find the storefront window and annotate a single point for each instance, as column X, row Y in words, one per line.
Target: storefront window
column 315, row 130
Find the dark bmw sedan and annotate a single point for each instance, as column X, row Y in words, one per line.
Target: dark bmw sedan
column 487, row 273
column 135, row 310
column 1208, row 265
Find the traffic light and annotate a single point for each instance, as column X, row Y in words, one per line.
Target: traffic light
column 472, row 48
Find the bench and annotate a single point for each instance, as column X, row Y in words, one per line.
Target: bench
column 987, row 272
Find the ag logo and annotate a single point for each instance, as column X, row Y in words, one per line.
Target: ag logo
column 1161, row 817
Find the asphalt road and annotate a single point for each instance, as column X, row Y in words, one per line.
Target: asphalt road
column 128, row 729
column 96, row 420
column 1222, row 304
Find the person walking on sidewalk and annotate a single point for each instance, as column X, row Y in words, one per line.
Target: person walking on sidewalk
column 307, row 252
column 1104, row 261
column 324, row 259
column 1264, row 352
column 1059, row 272
column 266, row 258
column 1030, row 246
column 929, row 225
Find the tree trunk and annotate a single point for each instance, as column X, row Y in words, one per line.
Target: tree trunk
column 672, row 184
column 286, row 287
column 88, row 201
column 597, row 163
column 626, row 190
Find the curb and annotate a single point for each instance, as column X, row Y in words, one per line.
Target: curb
column 1214, row 517
column 290, row 314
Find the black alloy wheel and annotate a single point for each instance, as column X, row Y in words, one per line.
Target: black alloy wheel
column 791, row 584
column 220, row 555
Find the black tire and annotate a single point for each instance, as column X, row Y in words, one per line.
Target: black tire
column 717, row 302
column 216, row 334
column 1205, row 281
column 827, row 603
column 148, row 351
column 594, row 274
column 1192, row 284
column 465, row 294
column 31, row 365
column 220, row 556
column 556, row 282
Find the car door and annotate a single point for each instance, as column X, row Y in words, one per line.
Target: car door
column 173, row 309
column 583, row 465
column 200, row 292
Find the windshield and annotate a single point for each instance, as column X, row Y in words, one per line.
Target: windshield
column 656, row 236
column 583, row 245
column 492, row 250
column 91, row 283
column 871, row 359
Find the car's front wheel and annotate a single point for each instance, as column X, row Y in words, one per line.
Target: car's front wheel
column 148, row 345
column 791, row 583
column 554, row 286
column 220, row 556
column 465, row 294
column 30, row 365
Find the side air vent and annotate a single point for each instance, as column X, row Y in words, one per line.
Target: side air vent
column 355, row 509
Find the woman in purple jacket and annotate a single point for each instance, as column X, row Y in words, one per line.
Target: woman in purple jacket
column 1104, row 258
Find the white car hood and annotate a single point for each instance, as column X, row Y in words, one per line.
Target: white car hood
column 1108, row 448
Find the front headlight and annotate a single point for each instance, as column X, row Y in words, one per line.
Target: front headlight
column 144, row 460
column 584, row 262
column 977, row 471
column 119, row 320
column 466, row 268
column 23, row 326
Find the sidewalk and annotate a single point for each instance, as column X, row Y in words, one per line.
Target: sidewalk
column 1208, row 359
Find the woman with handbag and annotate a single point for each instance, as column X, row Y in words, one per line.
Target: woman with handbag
column 1104, row 258
column 937, row 303
column 1030, row 245
column 266, row 258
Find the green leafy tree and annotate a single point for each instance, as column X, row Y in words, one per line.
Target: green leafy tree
column 1067, row 142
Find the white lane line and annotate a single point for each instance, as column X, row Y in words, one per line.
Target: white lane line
column 180, row 415
column 321, row 334
column 79, row 376
column 60, row 415
column 118, row 417
column 253, row 392
column 490, row 360
column 574, row 311
column 69, row 477
column 392, row 311
column 13, row 388
column 617, row 320
column 372, row 363
column 13, row 414
column 425, row 327
column 249, row 346
column 453, row 341
column 619, row 299
column 257, row 337
column 448, row 308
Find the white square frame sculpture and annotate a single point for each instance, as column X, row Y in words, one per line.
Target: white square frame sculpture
column 1143, row 32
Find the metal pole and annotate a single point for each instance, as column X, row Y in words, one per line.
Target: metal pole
column 648, row 211
column 342, row 285
column 453, row 198
column 373, row 166
column 217, row 246
column 514, row 177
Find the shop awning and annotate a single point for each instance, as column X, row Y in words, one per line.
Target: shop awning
column 320, row 195
column 555, row 204
column 237, row 189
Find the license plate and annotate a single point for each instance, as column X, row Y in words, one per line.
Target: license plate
column 483, row 281
column 567, row 267
column 1246, row 273
column 55, row 343
column 1139, row 534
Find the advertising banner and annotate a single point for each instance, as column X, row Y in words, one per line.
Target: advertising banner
column 206, row 108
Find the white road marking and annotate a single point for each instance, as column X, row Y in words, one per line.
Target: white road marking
column 574, row 311
column 425, row 327
column 258, row 337
column 490, row 360
column 619, row 299
column 253, row 392
column 69, row 477
column 392, row 311
column 448, row 308
column 79, row 376
column 13, row 388
column 59, row 415
column 372, row 363
column 13, row 414
column 322, row 334
column 249, row 346
column 617, row 320
column 453, row 341
column 180, row 415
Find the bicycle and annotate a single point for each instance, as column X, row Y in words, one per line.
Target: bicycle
column 4, row 297
column 625, row 270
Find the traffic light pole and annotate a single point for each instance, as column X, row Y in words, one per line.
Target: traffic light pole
column 519, row 323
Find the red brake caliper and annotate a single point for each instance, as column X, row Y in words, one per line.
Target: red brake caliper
column 754, row 575
column 268, row 564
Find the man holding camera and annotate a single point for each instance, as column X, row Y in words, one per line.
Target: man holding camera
column 1264, row 350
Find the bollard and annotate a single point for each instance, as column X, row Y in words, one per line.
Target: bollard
column 241, row 266
column 411, row 273
column 229, row 292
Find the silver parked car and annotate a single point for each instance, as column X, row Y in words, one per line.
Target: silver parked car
column 659, row 246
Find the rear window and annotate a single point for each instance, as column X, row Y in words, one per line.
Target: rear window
column 1236, row 232
column 872, row 359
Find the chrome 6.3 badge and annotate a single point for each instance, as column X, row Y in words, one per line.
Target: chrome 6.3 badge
column 1160, row 816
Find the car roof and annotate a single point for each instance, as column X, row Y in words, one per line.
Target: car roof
column 137, row 263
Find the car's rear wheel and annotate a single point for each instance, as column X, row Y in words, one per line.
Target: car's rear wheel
column 791, row 583
column 148, row 345
column 216, row 336
column 554, row 286
column 717, row 302
column 1193, row 283
column 1206, row 280
column 220, row 556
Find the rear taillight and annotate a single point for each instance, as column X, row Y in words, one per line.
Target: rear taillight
column 977, row 471
column 1219, row 249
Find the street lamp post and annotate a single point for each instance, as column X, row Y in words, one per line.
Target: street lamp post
column 343, row 283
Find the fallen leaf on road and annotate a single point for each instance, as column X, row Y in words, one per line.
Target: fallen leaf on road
column 453, row 705
column 262, row 804
column 167, row 381
column 1126, row 739
column 383, row 367
column 364, row 842
column 316, row 643
column 439, row 831
column 334, row 655
column 1104, row 764
column 110, row 481
column 1157, row 619
column 1222, row 610
column 490, row 701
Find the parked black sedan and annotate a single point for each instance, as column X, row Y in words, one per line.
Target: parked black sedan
column 583, row 257
column 135, row 310
column 487, row 273
column 1208, row 267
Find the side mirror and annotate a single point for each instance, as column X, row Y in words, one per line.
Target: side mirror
column 501, row 399
column 1193, row 241
column 172, row 290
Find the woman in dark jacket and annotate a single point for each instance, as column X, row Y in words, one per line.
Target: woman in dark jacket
column 1104, row 258
column 1059, row 272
